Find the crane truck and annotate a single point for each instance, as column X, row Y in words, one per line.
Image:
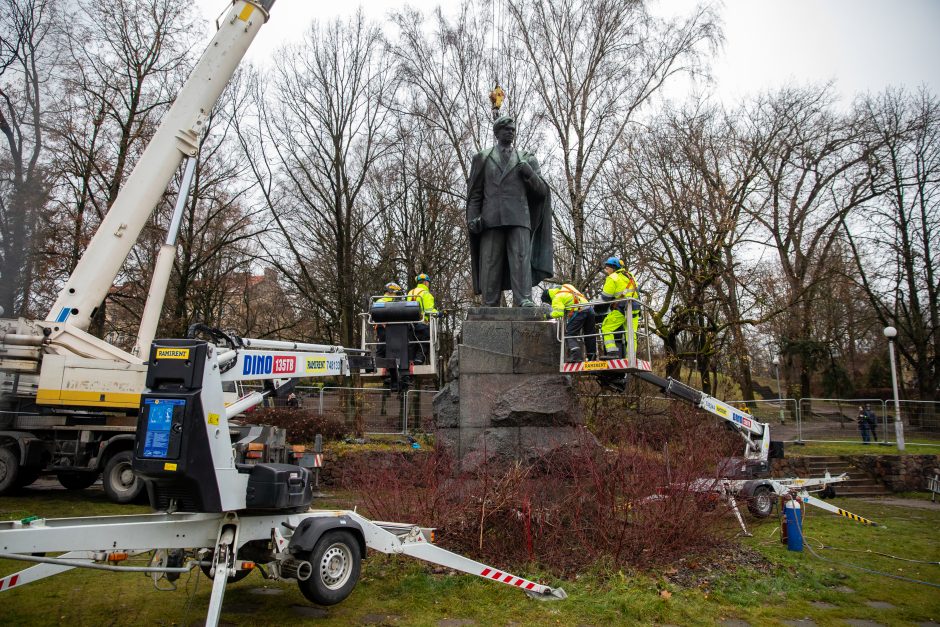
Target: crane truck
column 69, row 400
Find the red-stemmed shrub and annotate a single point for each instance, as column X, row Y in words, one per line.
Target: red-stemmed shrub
column 627, row 505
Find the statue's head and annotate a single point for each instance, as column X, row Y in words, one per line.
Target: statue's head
column 505, row 128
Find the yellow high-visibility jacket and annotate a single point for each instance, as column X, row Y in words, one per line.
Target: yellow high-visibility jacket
column 422, row 294
column 620, row 284
column 564, row 297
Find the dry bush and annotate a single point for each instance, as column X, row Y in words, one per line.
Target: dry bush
column 628, row 506
column 302, row 425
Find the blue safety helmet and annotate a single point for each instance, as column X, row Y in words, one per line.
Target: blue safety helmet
column 422, row 277
column 614, row 263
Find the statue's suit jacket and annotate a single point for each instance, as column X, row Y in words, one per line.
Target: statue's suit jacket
column 500, row 196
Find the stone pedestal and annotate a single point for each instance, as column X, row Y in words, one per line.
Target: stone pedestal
column 506, row 398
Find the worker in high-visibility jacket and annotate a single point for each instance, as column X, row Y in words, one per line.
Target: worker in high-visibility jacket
column 619, row 284
column 579, row 321
column 420, row 348
column 393, row 292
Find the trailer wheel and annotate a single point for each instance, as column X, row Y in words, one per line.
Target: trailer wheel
column 336, row 565
column 761, row 502
column 120, row 483
column 75, row 480
column 9, row 469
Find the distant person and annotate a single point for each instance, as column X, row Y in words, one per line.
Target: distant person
column 872, row 422
column 866, row 423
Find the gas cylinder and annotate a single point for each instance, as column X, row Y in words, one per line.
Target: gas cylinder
column 793, row 516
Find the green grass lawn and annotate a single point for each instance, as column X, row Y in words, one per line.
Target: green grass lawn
column 857, row 448
column 400, row 591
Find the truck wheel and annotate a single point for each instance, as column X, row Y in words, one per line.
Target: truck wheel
column 74, row 480
column 28, row 475
column 9, row 469
column 336, row 565
column 120, row 483
column 761, row 502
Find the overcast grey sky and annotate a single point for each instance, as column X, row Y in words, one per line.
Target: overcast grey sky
column 864, row 45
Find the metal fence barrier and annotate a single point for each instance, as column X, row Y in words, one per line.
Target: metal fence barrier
column 377, row 409
column 806, row 419
column 921, row 420
column 792, row 420
column 835, row 420
column 419, row 411
column 381, row 411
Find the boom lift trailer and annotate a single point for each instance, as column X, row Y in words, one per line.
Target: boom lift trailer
column 67, row 398
column 219, row 515
column 746, row 477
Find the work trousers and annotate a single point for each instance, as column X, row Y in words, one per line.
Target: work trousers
column 501, row 249
column 418, row 346
column 610, row 329
column 582, row 323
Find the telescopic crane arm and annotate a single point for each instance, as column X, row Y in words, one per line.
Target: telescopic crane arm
column 176, row 137
column 755, row 434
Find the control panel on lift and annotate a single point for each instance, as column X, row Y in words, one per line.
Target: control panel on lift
column 183, row 450
column 172, row 444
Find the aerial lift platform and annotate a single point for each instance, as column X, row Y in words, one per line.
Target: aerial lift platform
column 746, row 477
column 224, row 517
column 397, row 314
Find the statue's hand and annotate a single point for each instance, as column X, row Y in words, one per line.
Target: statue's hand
column 526, row 170
column 475, row 225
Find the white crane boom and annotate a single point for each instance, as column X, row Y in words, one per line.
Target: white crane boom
column 176, row 137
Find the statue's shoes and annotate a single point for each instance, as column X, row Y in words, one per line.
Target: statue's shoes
column 527, row 303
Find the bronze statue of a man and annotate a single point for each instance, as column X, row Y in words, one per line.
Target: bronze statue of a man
column 509, row 216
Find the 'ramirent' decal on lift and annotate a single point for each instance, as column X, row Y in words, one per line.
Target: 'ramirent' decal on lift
column 172, row 353
column 611, row 364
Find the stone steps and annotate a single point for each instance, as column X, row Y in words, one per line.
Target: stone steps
column 765, row 391
column 859, row 483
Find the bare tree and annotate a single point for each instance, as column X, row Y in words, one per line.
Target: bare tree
column 682, row 194
column 596, row 63
column 422, row 224
column 896, row 245
column 27, row 55
column 813, row 162
column 125, row 63
column 317, row 138
column 218, row 237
